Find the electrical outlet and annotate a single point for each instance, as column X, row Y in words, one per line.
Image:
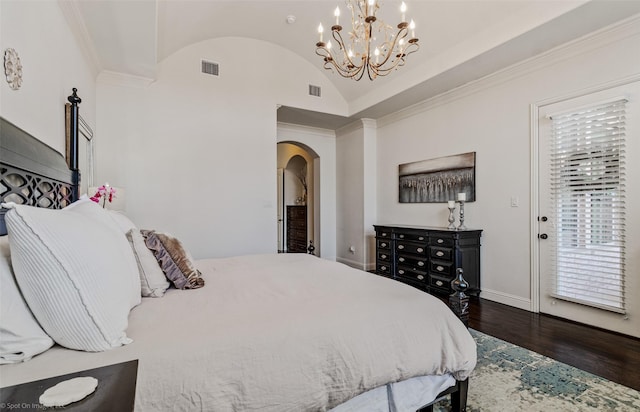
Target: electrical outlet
column 515, row 202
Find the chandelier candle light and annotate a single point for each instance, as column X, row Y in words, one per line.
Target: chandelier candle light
column 373, row 47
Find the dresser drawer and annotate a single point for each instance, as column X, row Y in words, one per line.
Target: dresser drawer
column 410, row 247
column 412, row 274
column 384, row 256
column 441, row 268
column 300, row 233
column 383, row 269
column 383, row 244
column 445, row 241
column 417, row 237
column 440, row 282
column 382, row 233
column 420, row 263
column 441, row 253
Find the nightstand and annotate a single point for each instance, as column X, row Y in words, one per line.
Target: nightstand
column 116, row 391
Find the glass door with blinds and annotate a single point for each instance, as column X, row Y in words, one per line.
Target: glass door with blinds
column 585, row 221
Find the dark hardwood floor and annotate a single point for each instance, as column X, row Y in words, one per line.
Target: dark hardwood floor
column 610, row 355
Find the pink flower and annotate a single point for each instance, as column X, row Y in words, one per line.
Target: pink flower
column 104, row 192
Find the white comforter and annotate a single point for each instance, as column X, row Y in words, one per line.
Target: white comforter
column 287, row 332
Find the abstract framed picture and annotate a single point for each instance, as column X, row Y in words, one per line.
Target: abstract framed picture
column 438, row 180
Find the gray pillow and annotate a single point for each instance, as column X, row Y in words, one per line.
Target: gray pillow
column 174, row 260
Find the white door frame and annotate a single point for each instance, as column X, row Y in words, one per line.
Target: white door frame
column 535, row 195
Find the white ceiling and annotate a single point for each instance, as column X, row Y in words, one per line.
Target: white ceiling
column 460, row 40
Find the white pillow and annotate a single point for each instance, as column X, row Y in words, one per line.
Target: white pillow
column 74, row 274
column 152, row 279
column 21, row 337
column 92, row 210
column 124, row 223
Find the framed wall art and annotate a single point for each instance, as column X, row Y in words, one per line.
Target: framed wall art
column 438, row 180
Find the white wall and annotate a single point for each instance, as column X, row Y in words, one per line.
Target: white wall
column 492, row 118
column 52, row 65
column 197, row 153
column 356, row 188
column 350, row 191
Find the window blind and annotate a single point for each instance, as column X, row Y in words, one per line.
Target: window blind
column 588, row 205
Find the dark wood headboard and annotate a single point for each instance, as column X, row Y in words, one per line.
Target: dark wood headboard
column 33, row 173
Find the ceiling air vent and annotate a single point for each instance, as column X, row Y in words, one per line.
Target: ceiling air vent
column 210, row 68
column 314, row 90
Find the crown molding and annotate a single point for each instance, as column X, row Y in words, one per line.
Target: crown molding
column 358, row 124
column 585, row 44
column 123, row 79
column 79, row 30
column 308, row 130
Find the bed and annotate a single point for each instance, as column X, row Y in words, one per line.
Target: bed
column 274, row 332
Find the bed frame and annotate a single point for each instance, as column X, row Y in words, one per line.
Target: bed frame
column 32, row 173
column 35, row 174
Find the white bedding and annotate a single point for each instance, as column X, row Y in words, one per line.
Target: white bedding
column 281, row 332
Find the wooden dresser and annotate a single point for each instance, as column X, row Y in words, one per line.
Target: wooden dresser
column 427, row 257
column 296, row 229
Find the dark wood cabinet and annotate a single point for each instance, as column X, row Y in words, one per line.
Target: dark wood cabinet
column 296, row 229
column 427, row 257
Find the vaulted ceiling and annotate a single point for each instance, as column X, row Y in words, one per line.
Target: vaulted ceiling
column 460, row 40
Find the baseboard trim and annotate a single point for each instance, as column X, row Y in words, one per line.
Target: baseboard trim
column 352, row 263
column 507, row 299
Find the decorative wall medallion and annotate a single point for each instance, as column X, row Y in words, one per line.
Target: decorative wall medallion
column 13, row 68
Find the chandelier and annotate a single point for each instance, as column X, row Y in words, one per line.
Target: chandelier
column 371, row 47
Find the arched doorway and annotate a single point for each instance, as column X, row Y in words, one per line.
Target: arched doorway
column 297, row 198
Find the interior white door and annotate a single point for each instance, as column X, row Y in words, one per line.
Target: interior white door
column 280, row 177
column 574, row 218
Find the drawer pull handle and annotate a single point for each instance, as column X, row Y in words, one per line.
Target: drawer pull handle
column 384, row 235
column 439, row 253
column 401, row 236
column 420, row 250
column 401, row 259
column 383, row 267
column 439, row 283
column 439, row 268
column 421, row 238
column 440, row 240
column 420, row 277
column 420, row 263
column 400, row 247
column 383, row 256
column 383, row 244
column 401, row 272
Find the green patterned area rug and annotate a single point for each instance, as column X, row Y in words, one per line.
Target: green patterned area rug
column 509, row 378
